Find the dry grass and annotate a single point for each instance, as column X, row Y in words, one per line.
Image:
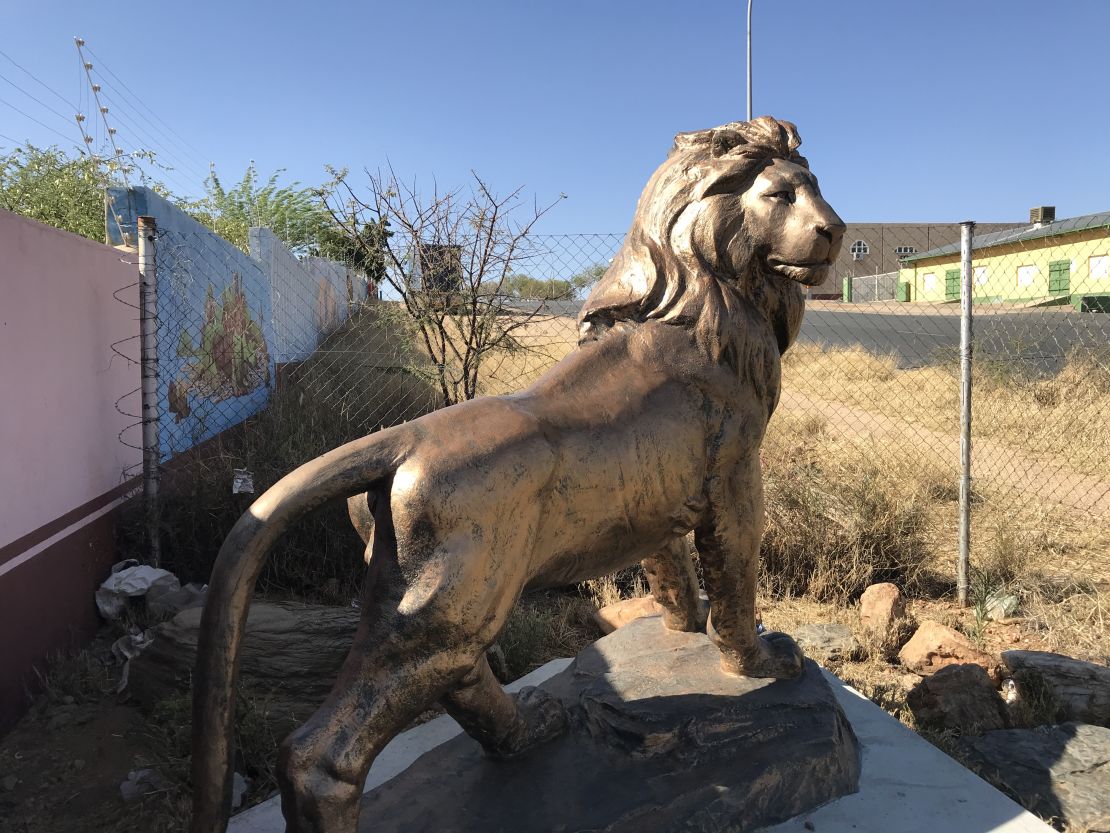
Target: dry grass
column 359, row 380
column 630, row 583
column 543, row 627
column 838, row 520
column 1066, row 415
column 538, row 346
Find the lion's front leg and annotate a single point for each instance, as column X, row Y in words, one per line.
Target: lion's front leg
column 728, row 546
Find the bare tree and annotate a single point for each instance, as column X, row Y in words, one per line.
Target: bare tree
column 449, row 258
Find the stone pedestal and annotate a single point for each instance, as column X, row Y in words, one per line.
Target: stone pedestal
column 660, row 740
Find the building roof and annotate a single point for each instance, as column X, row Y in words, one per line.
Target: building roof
column 1021, row 234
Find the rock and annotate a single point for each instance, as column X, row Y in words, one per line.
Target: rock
column 618, row 614
column 827, row 643
column 163, row 605
column 660, row 740
column 59, row 720
column 291, row 654
column 959, row 697
column 142, row 782
column 880, row 606
column 935, row 646
column 9, row 783
column 1058, row 772
column 1056, row 688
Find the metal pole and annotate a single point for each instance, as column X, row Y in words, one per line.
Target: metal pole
column 749, row 60
column 148, row 369
column 966, row 231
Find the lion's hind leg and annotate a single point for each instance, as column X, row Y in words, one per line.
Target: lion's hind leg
column 389, row 677
column 506, row 726
column 674, row 584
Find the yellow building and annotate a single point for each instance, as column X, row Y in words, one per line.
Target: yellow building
column 1060, row 262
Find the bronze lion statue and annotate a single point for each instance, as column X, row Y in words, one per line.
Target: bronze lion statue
column 650, row 429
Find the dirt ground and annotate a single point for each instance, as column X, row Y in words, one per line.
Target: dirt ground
column 62, row 766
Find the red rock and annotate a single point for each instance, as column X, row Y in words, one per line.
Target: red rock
column 880, row 606
column 935, row 646
column 618, row 614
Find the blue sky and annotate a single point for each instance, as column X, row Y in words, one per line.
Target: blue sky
column 924, row 111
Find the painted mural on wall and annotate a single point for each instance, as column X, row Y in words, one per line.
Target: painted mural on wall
column 310, row 296
column 227, row 318
column 215, row 334
column 229, row 359
column 327, row 307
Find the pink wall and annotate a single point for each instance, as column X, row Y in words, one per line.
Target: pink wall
column 59, row 425
column 61, row 461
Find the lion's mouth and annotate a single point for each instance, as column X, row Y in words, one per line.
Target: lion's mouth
column 809, row 273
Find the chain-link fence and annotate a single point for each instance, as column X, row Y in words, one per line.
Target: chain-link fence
column 267, row 359
column 878, row 372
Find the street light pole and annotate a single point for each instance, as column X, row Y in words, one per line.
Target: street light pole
column 749, row 60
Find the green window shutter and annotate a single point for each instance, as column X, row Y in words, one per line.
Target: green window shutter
column 1059, row 277
column 952, row 283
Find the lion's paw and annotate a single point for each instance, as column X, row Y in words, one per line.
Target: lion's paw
column 543, row 718
column 773, row 655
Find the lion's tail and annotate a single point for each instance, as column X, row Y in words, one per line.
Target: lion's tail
column 353, row 468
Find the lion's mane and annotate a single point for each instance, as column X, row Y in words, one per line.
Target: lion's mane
column 672, row 266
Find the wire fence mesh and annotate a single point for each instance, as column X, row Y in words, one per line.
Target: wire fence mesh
column 272, row 359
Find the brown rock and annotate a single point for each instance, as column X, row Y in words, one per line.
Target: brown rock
column 935, row 646
column 880, row 606
column 618, row 614
column 960, row 697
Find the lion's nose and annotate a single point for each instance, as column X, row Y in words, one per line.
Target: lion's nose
column 832, row 229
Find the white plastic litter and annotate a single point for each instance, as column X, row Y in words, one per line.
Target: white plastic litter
column 242, row 482
column 126, row 648
column 239, row 787
column 1001, row 605
column 128, row 580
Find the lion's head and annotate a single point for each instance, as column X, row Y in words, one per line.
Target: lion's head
column 732, row 216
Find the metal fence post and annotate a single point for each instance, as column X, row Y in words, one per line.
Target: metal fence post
column 967, row 230
column 148, row 369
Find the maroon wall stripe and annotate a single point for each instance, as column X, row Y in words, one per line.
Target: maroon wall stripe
column 37, row 536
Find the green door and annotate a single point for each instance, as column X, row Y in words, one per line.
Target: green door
column 1059, row 277
column 952, row 284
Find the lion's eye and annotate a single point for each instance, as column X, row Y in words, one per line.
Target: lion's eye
column 783, row 196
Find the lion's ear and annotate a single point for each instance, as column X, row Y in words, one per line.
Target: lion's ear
column 685, row 141
column 725, row 139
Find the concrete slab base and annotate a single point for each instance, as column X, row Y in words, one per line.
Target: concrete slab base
column 906, row 786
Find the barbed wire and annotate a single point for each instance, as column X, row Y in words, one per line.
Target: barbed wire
column 199, row 158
